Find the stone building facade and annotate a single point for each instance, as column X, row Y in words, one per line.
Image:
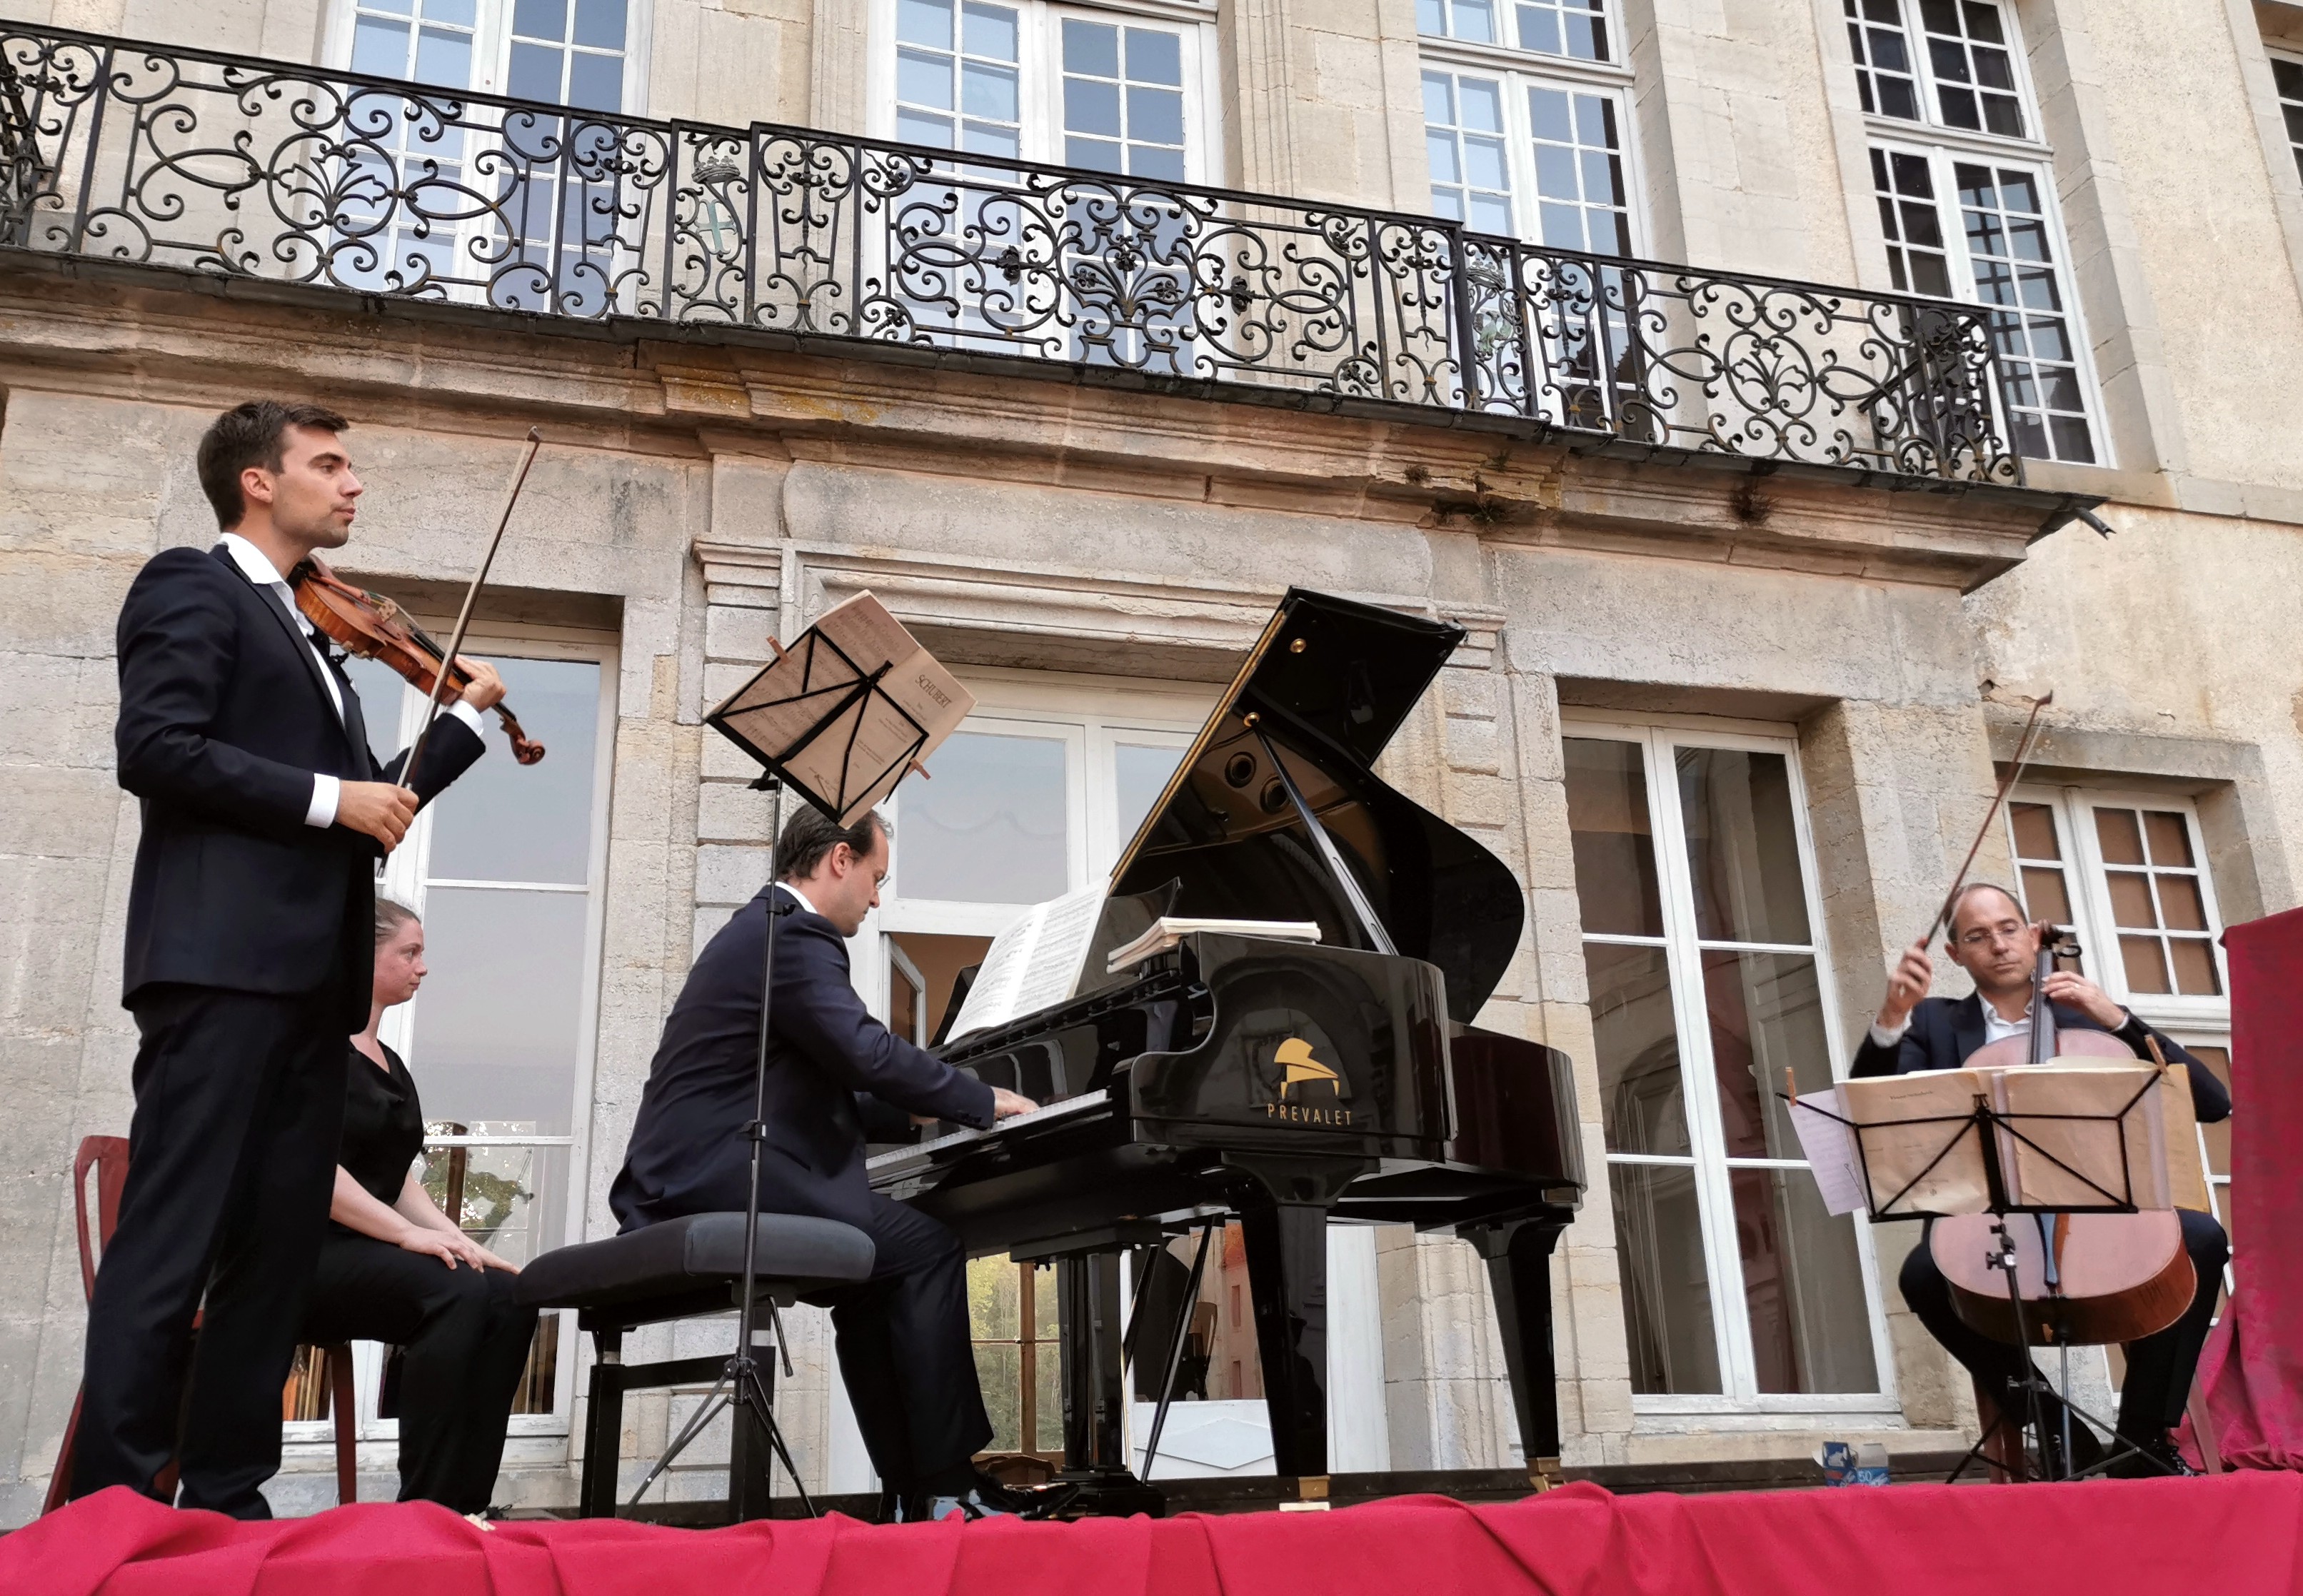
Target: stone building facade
column 1777, row 678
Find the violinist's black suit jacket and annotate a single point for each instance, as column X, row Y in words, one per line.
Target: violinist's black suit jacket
column 249, row 960
column 1945, row 1033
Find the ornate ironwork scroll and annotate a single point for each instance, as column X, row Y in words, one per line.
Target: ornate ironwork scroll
column 218, row 164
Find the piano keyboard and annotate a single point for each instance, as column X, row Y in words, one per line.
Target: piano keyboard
column 1054, row 1110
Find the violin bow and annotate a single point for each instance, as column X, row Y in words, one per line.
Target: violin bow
column 2007, row 785
column 464, row 615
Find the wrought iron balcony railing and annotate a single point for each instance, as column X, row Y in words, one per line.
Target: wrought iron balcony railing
column 222, row 164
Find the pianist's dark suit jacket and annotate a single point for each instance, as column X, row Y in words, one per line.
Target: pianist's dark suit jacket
column 1945, row 1031
column 830, row 1065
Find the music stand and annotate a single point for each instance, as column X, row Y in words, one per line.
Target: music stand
column 1985, row 1125
column 825, row 708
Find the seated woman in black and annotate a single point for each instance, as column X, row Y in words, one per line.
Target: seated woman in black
column 396, row 1269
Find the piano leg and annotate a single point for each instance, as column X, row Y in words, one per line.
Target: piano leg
column 1098, row 1475
column 1284, row 1219
column 1519, row 1272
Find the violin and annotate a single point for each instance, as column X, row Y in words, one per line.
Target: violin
column 374, row 628
column 2085, row 1278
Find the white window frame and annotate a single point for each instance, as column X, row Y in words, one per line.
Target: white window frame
column 2280, row 102
column 1507, row 20
column 1040, row 71
column 492, row 50
column 2203, row 1021
column 1091, row 716
column 1723, row 1262
column 406, row 877
column 1516, row 71
column 2037, row 164
column 1930, row 121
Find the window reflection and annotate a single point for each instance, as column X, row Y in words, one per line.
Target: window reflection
column 1615, row 849
column 1666, row 1288
column 991, row 825
column 1742, row 849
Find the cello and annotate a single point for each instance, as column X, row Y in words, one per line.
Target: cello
column 2084, row 1279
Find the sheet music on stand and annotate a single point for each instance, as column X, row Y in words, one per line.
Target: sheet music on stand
column 845, row 712
column 2072, row 1136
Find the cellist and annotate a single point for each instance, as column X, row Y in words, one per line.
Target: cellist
column 1990, row 939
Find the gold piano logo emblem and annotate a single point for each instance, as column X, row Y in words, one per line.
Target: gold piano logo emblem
column 1299, row 1067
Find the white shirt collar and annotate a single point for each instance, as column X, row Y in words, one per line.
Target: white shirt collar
column 1998, row 1029
column 251, row 561
column 804, row 901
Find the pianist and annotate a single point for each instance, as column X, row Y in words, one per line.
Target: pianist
column 833, row 1070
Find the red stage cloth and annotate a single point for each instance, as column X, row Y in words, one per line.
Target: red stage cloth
column 2252, row 1369
column 2235, row 1535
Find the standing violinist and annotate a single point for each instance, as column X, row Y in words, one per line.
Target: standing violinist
column 249, row 961
column 1991, row 941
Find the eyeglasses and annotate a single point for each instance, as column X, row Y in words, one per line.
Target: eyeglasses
column 1981, row 937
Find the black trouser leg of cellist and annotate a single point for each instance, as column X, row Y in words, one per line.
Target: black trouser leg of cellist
column 1997, row 1364
column 2159, row 1367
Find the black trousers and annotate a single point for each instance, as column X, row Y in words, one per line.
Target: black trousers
column 239, row 1102
column 2159, row 1367
column 904, row 1349
column 464, row 1343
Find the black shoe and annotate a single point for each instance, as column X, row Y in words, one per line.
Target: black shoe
column 2154, row 1457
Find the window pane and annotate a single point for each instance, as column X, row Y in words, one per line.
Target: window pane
column 989, row 826
column 2044, row 896
column 513, row 1201
column 2181, row 904
column 1742, row 850
column 600, row 23
column 1000, row 1370
column 1608, row 827
column 2035, row 832
column 1139, row 774
column 2146, row 964
column 2169, row 836
column 1766, row 1016
column 596, row 82
column 2130, row 899
column 2218, row 1136
column 992, row 1296
column 1637, row 1043
column 1667, row 1289
column 2195, row 967
column 497, row 1022
column 1047, row 1383
column 2118, row 836
column 1802, row 1285
column 505, row 821
column 535, row 73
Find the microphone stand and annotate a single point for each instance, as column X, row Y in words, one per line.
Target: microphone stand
column 744, row 1392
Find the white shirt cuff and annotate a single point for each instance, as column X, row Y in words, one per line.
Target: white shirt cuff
column 466, row 713
column 325, row 791
column 1888, row 1035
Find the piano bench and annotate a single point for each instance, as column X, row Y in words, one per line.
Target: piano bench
column 682, row 1269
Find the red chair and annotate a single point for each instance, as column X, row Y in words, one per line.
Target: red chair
column 108, row 1157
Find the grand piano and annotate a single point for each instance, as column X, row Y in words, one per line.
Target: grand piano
column 1288, row 1085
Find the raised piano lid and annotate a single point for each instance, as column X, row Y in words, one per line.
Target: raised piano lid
column 1326, row 685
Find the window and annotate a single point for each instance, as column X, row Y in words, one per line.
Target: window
column 2126, row 874
column 2009, row 258
column 1529, row 158
column 431, row 193
column 1709, row 987
column 506, row 870
column 1577, row 28
column 1033, row 82
column 2287, row 78
column 1963, row 216
column 1963, row 76
column 1035, row 796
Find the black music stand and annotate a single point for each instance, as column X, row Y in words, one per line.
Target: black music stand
column 1985, row 1124
column 835, row 693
